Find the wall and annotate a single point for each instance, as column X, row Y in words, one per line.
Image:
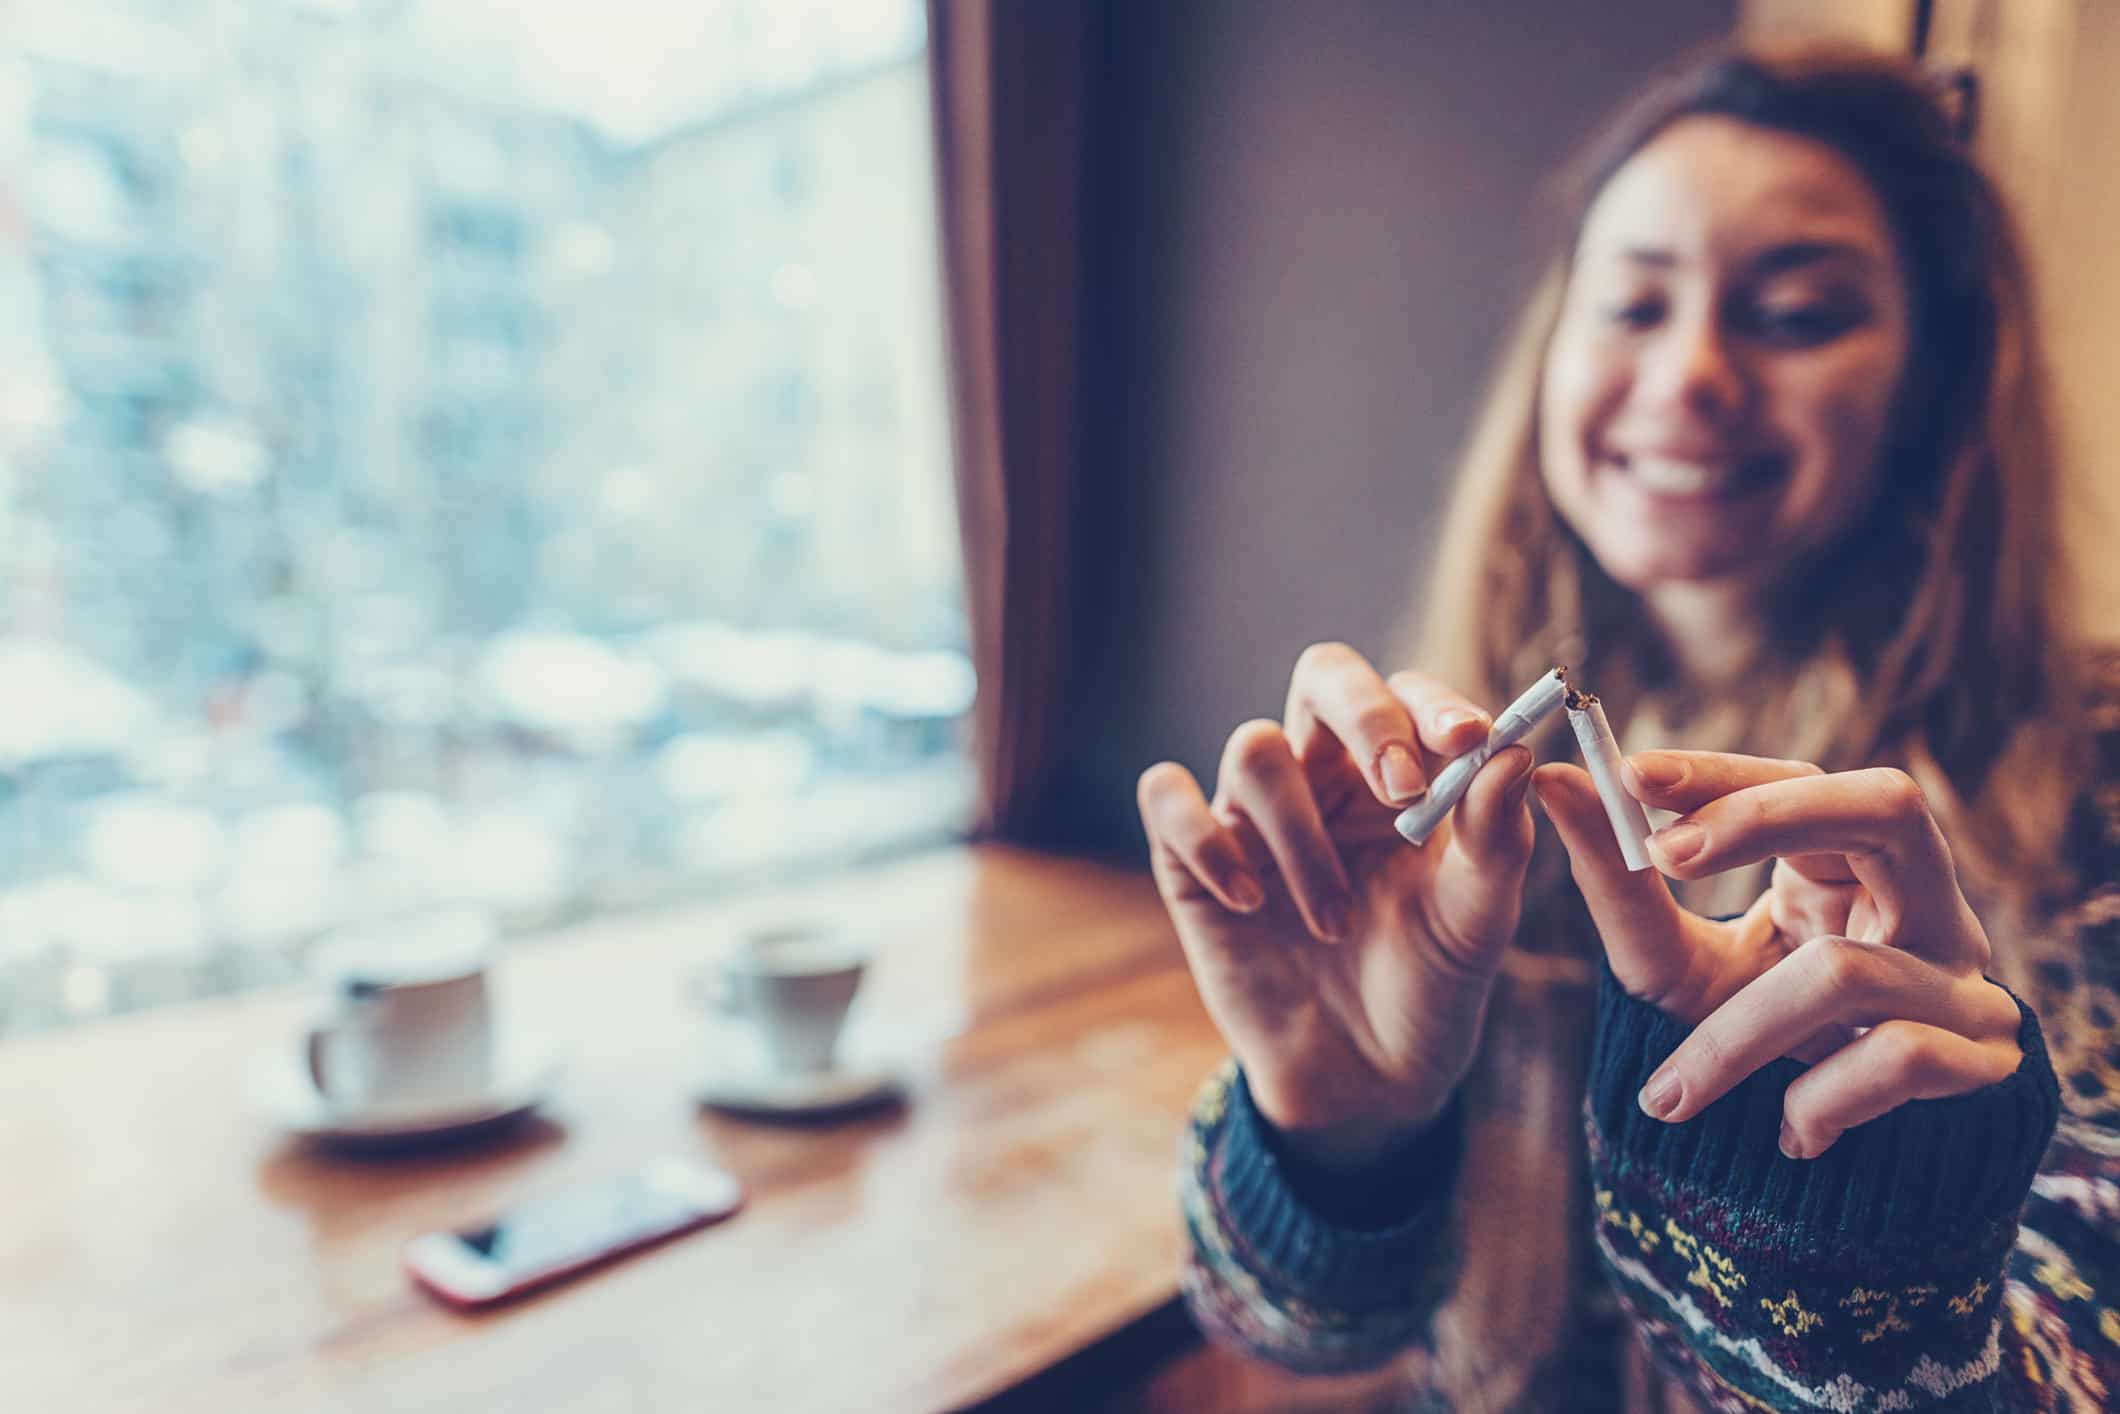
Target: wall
column 2049, row 132
column 1310, row 224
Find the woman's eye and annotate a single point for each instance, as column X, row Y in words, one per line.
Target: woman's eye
column 1635, row 314
column 1800, row 326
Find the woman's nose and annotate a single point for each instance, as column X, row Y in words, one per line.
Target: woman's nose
column 1697, row 372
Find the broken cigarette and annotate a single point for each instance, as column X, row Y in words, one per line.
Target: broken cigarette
column 1544, row 697
column 1601, row 754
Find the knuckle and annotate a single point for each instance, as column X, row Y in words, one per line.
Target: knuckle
column 1783, row 913
column 1983, row 951
column 1998, row 1013
column 1379, row 722
column 1898, row 793
column 1899, row 1053
column 1747, row 813
column 1408, row 685
column 1844, row 966
column 2002, row 1061
column 1705, row 1056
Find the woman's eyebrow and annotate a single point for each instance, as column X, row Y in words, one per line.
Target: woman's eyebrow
column 1774, row 260
column 1794, row 255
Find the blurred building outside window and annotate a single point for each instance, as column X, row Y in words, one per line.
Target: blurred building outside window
column 455, row 451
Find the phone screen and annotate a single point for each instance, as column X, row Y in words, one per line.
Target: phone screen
column 563, row 1228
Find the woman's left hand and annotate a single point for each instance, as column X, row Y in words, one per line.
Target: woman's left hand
column 1862, row 957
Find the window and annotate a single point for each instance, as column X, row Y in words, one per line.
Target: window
column 457, row 451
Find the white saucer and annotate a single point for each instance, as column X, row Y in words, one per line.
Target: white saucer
column 735, row 1075
column 527, row 1066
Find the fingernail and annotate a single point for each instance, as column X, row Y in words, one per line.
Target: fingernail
column 1657, row 772
column 1245, row 893
column 1660, row 1096
column 1790, row 1144
column 1332, row 921
column 1680, row 842
column 1457, row 717
column 1402, row 775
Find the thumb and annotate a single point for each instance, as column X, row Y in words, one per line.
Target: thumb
column 1492, row 825
column 1479, row 881
column 1641, row 924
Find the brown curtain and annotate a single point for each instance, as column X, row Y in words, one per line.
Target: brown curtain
column 1006, row 79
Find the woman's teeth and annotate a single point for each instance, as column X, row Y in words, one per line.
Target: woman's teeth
column 1676, row 478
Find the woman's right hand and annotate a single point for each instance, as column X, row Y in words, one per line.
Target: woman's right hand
column 1348, row 970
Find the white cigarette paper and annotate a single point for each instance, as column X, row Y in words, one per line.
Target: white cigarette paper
column 1601, row 754
column 1540, row 701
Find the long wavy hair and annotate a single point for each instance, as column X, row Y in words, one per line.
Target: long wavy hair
column 1936, row 634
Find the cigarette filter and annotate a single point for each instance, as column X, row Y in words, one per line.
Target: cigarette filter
column 1540, row 701
column 1601, row 754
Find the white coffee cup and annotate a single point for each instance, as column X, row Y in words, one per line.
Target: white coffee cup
column 410, row 1020
column 795, row 983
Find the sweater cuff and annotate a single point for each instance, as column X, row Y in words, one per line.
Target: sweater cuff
column 1389, row 1191
column 1928, row 1167
column 1869, row 1277
column 1293, row 1245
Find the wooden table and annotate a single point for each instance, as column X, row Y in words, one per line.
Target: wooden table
column 162, row 1249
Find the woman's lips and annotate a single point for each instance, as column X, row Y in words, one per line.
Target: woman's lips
column 1682, row 479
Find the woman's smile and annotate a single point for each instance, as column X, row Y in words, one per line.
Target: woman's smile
column 1682, row 481
column 1716, row 390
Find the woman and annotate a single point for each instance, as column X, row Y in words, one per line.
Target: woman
column 1767, row 466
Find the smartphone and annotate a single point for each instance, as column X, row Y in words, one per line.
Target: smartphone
column 559, row 1234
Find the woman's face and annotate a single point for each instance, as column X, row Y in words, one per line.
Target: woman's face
column 1718, row 386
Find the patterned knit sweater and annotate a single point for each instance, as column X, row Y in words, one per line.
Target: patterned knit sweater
column 1954, row 1254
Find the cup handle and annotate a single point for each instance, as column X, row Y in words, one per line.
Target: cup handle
column 313, row 1047
column 320, row 1031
